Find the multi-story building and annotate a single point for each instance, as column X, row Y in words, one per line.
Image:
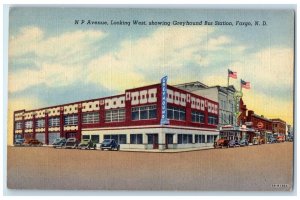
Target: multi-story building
column 133, row 119
column 229, row 107
column 279, row 127
column 223, row 95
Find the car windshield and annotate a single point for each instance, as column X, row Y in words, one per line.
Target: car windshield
column 71, row 140
column 57, row 140
column 85, row 141
column 107, row 141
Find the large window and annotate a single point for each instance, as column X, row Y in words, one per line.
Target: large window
column 121, row 138
column 71, row 120
column 143, row 112
column 116, row 115
column 211, row 138
column 55, row 121
column 199, row 138
column 40, row 123
column 212, row 120
column 176, row 113
column 95, row 138
column 28, row 124
column 90, row 118
column 136, row 139
column 185, row 138
column 18, row 125
column 198, row 117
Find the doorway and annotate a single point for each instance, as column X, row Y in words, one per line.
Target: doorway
column 169, row 140
column 153, row 139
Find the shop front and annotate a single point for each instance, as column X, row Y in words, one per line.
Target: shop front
column 230, row 132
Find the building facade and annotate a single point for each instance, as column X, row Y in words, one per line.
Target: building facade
column 279, row 127
column 223, row 95
column 132, row 119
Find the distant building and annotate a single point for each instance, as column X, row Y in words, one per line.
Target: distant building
column 279, row 127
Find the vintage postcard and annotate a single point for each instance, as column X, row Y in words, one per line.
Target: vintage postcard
column 150, row 99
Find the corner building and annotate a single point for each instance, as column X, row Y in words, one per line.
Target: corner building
column 132, row 119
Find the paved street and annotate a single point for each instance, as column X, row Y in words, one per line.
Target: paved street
column 253, row 168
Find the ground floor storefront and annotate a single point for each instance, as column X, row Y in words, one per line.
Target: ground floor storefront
column 155, row 137
column 237, row 133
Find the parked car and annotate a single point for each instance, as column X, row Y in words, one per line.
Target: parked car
column 19, row 142
column 280, row 139
column 87, row 144
column 233, row 143
column 33, row 142
column 256, row 141
column 220, row 143
column 71, row 143
column 244, row 142
column 110, row 144
column 59, row 142
column 272, row 140
column 290, row 138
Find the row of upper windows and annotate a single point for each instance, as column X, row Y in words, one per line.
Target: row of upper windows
column 177, row 98
column 143, row 96
column 118, row 115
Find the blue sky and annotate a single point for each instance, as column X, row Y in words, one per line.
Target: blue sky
column 53, row 61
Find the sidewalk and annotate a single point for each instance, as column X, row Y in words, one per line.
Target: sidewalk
column 166, row 150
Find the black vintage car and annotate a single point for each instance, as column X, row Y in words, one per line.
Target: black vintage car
column 110, row 144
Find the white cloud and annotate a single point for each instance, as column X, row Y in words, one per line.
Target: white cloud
column 272, row 67
column 217, row 43
column 25, row 42
column 33, row 40
column 59, row 59
column 165, row 50
column 51, row 75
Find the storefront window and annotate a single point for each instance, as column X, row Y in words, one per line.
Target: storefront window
column 136, row 139
column 185, row 138
column 120, row 138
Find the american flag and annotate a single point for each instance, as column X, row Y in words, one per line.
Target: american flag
column 232, row 74
column 245, row 84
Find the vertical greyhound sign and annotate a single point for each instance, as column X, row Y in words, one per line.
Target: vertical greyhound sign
column 164, row 95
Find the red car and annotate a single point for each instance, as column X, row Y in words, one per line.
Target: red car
column 280, row 139
column 33, row 142
column 220, row 143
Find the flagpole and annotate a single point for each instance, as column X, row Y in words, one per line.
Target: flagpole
column 241, row 86
column 227, row 80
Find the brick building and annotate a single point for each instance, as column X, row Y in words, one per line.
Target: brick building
column 132, row 118
column 279, row 127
